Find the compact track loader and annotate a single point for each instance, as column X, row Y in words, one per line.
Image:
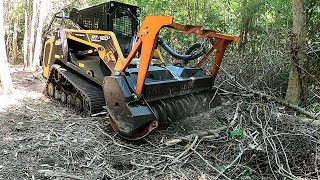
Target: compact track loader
column 102, row 61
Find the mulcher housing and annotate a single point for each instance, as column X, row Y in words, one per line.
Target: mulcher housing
column 123, row 64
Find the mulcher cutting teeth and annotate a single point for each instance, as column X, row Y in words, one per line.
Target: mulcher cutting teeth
column 174, row 109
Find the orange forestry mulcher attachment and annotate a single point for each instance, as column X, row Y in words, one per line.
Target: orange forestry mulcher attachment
column 139, row 99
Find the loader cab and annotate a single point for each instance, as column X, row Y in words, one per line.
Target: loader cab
column 121, row 19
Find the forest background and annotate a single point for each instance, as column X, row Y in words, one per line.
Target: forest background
column 267, row 126
column 277, row 52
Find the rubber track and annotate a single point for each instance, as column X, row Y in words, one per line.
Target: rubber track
column 84, row 86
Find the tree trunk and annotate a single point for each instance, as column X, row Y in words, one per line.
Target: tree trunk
column 4, row 68
column 15, row 42
column 34, row 25
column 44, row 7
column 7, row 7
column 195, row 6
column 188, row 12
column 26, row 36
column 172, row 32
column 244, row 27
column 204, row 12
column 298, row 51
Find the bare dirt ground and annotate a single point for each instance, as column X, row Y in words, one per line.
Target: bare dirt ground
column 40, row 139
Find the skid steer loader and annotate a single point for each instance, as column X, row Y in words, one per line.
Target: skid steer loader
column 102, row 60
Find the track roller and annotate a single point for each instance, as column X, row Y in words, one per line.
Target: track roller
column 86, row 105
column 50, row 89
column 63, row 97
column 56, row 95
column 78, row 104
column 70, row 100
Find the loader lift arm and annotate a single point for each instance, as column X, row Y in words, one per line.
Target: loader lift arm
column 148, row 37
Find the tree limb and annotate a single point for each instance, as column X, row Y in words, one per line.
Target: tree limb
column 60, row 174
column 303, row 120
column 285, row 103
column 199, row 134
column 268, row 97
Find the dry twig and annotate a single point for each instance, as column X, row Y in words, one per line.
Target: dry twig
column 215, row 169
column 199, row 134
column 60, row 174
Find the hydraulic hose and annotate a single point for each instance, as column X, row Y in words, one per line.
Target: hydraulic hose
column 193, row 47
column 185, row 57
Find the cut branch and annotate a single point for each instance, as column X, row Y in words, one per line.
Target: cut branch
column 285, row 103
column 191, row 136
column 302, row 120
column 268, row 97
column 60, row 174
